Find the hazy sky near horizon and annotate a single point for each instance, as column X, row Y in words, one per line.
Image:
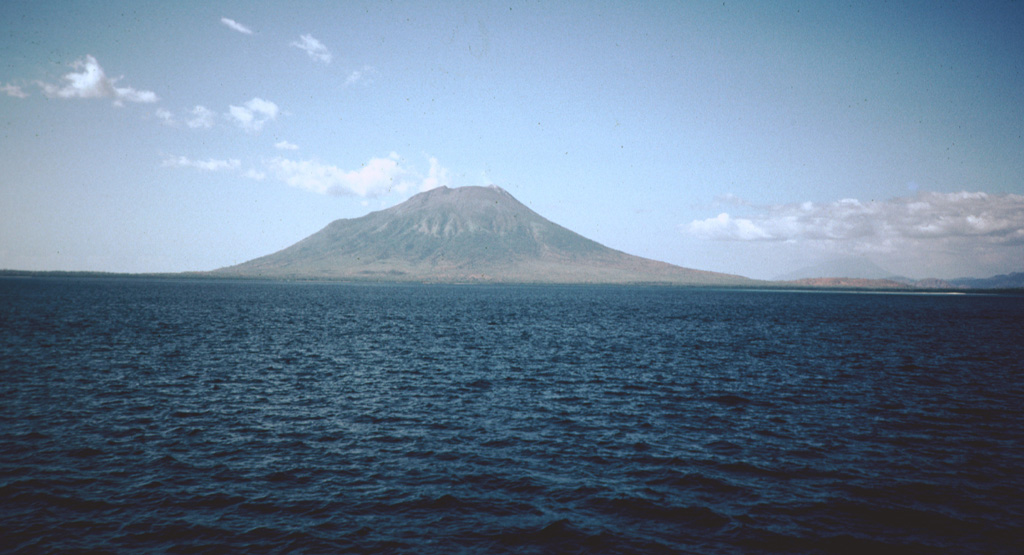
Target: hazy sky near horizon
column 751, row 138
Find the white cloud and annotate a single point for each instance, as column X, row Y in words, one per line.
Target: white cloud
column 132, row 95
column 202, row 118
column 364, row 76
column 927, row 234
column 253, row 114
column 165, row 116
column 13, row 90
column 92, row 82
column 376, row 177
column 232, row 24
column 285, row 145
column 205, row 165
column 924, row 216
column 254, row 174
column 314, row 48
column 438, row 176
column 725, row 227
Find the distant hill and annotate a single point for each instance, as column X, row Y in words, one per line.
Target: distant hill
column 466, row 234
column 865, row 283
column 856, row 283
column 861, row 272
column 1003, row 281
column 859, row 267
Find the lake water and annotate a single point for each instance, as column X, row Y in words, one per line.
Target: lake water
column 148, row 416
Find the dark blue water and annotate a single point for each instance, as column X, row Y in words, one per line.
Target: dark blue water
column 148, row 416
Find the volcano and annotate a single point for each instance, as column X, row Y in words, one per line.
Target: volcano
column 465, row 234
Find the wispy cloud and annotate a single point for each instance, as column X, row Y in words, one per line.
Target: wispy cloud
column 253, row 114
column 378, row 176
column 199, row 117
column 437, row 176
column 202, row 118
column 165, row 116
column 363, row 76
column 210, row 165
column 285, row 145
column 232, row 24
column 732, row 199
column 92, row 82
column 13, row 90
column 314, row 48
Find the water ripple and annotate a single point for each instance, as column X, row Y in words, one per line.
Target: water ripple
column 207, row 417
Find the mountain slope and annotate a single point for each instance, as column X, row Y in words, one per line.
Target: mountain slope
column 464, row 234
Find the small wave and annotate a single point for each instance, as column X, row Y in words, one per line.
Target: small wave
column 723, row 447
column 84, row 453
column 554, row 536
column 480, row 384
column 212, row 501
column 644, row 509
column 285, row 477
column 181, row 413
column 703, row 483
column 729, row 400
column 747, row 469
column 444, row 504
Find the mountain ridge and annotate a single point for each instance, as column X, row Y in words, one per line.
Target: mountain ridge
column 465, row 234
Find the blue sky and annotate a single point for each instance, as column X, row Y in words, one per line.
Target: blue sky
column 750, row 138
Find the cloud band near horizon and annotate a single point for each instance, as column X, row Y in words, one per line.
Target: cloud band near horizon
column 926, row 215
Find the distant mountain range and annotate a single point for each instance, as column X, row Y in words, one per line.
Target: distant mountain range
column 466, row 234
column 1008, row 281
column 861, row 272
column 859, row 267
column 1002, row 281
